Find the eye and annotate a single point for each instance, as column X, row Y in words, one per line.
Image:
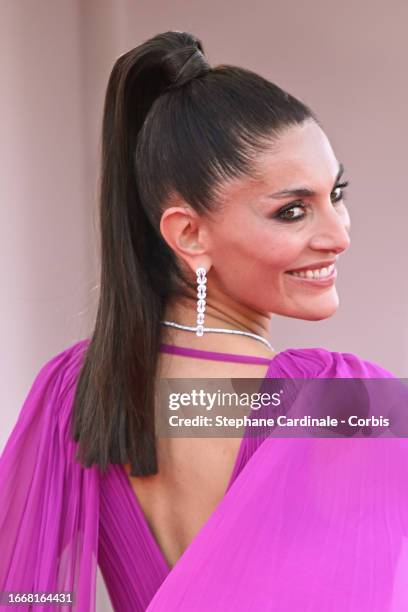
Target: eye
column 340, row 192
column 286, row 213
column 283, row 214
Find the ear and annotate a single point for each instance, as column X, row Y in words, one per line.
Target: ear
column 185, row 232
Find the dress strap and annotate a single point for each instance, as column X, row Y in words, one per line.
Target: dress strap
column 201, row 354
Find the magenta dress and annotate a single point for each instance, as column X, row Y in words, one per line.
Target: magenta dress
column 306, row 524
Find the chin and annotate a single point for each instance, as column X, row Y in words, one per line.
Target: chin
column 322, row 312
column 315, row 312
column 319, row 317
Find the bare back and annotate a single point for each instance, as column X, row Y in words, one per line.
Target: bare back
column 193, row 472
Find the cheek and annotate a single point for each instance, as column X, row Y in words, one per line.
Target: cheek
column 246, row 253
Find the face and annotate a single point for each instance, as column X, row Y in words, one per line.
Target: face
column 258, row 236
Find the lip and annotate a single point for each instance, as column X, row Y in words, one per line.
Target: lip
column 315, row 282
column 314, row 266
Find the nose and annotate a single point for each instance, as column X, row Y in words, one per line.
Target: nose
column 331, row 230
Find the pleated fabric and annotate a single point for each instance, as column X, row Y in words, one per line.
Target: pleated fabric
column 305, row 524
column 49, row 504
column 311, row 524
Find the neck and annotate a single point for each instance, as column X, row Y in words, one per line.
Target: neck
column 219, row 312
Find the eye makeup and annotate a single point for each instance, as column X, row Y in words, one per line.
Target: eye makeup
column 299, row 204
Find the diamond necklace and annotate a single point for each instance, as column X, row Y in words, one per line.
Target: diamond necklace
column 220, row 330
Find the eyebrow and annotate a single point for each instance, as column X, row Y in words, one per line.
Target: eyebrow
column 303, row 192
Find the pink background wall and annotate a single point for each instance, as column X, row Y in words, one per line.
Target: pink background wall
column 347, row 60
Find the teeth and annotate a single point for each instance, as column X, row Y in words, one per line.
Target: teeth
column 321, row 273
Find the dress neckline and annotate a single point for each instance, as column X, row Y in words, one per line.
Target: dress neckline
column 243, row 446
column 135, row 503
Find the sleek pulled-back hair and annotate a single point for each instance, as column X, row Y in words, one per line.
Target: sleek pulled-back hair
column 172, row 125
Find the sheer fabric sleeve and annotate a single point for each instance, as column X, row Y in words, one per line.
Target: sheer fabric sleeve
column 48, row 501
column 322, row 520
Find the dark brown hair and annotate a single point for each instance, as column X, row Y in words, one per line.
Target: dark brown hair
column 171, row 125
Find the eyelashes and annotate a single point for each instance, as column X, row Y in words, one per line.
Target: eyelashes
column 299, row 204
column 341, row 186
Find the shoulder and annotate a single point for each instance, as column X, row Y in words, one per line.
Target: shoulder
column 65, row 362
column 43, row 420
column 323, row 362
column 62, row 368
column 69, row 357
column 51, row 390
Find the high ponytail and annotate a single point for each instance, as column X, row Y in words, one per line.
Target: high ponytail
column 171, row 125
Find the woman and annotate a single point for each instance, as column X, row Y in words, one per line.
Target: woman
column 217, row 188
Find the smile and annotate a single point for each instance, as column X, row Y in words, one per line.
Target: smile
column 319, row 273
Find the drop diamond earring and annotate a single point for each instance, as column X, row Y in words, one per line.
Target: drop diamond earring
column 201, row 294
